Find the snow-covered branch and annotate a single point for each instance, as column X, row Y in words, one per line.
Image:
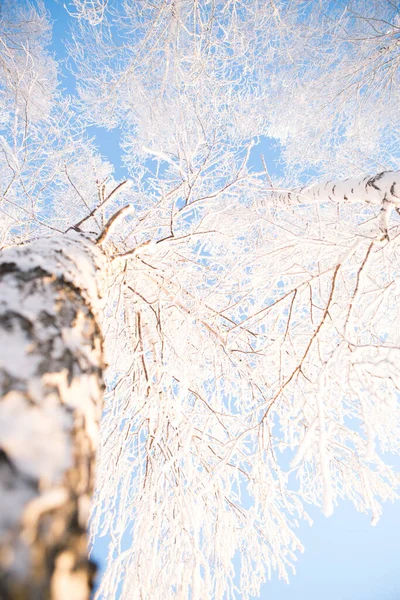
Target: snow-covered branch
column 240, row 322
column 375, row 190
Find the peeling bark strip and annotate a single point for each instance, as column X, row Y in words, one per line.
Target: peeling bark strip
column 51, row 363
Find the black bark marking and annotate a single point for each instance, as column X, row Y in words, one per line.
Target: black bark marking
column 9, row 318
column 60, row 529
column 371, row 182
column 28, row 275
column 6, row 462
column 392, row 188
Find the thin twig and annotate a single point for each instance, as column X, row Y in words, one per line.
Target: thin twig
column 96, row 208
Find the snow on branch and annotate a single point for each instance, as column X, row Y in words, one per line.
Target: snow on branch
column 374, row 190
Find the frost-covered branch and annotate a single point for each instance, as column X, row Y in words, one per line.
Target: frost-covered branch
column 373, row 190
column 381, row 190
column 240, row 322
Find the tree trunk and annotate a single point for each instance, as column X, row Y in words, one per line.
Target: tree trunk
column 51, row 364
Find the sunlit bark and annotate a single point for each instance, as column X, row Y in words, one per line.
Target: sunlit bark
column 51, row 374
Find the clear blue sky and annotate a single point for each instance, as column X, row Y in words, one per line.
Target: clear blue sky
column 345, row 558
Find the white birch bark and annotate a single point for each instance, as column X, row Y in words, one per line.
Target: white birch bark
column 51, row 363
column 382, row 189
column 376, row 189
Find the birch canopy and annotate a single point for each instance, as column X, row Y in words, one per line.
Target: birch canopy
column 250, row 319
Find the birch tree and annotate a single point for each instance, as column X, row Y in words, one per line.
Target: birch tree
column 248, row 323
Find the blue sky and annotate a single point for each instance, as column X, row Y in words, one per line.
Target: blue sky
column 345, row 558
